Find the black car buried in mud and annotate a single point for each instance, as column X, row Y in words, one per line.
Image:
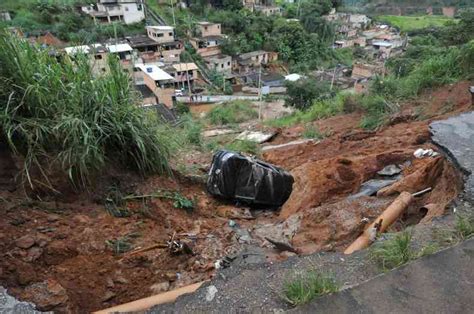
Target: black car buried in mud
column 248, row 180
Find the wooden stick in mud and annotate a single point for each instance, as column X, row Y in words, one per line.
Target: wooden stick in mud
column 386, row 219
column 146, row 249
column 146, row 303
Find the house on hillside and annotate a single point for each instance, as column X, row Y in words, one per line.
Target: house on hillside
column 98, row 54
column 161, row 34
column 205, row 29
column 45, row 39
column 159, row 45
column 247, row 61
column 207, row 46
column 108, row 11
column 158, row 81
column 5, row 16
column 343, row 43
column 268, row 10
column 183, row 73
column 365, row 71
column 449, row 11
column 221, row 63
column 209, row 39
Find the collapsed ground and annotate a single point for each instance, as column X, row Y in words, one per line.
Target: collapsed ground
column 66, row 254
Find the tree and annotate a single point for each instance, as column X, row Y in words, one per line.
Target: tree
column 303, row 92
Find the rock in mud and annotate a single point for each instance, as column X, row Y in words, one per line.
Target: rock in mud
column 160, row 287
column 456, row 136
column 211, row 293
column 47, row 295
column 25, row 242
column 371, row 187
column 334, row 226
column 389, row 171
column 109, row 295
column 9, row 304
column 33, row 254
column 426, row 176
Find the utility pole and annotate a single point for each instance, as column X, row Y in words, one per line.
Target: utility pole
column 298, row 9
column 260, row 92
column 187, row 77
column 333, row 76
column 172, row 10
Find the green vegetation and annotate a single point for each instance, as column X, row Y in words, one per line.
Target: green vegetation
column 57, row 116
column 61, row 18
column 231, row 113
column 122, row 244
column 182, row 202
column 305, row 46
column 243, row 146
column 398, row 250
column 306, row 286
column 434, row 58
column 302, row 93
column 410, row 23
column 319, row 110
column 394, row 251
column 464, row 226
column 312, row 132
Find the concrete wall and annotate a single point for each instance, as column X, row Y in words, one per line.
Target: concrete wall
column 164, row 94
column 223, row 65
column 133, row 13
column 161, row 36
column 209, row 30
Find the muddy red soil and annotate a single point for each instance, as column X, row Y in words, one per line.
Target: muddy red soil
column 61, row 254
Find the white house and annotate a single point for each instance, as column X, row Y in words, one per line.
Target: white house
column 126, row 11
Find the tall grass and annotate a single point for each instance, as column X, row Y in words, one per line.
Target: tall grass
column 56, row 115
column 306, row 286
column 232, row 112
column 393, row 252
column 320, row 109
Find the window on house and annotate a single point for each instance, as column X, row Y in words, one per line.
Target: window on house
column 222, row 65
column 126, row 8
column 171, row 34
column 160, row 35
column 228, row 63
column 205, row 28
column 139, row 7
column 98, row 57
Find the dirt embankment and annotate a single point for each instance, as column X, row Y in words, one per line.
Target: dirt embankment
column 63, row 254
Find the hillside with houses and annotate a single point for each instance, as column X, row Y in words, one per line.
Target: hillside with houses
column 236, row 156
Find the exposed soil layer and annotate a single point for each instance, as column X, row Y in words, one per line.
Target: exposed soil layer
column 63, row 255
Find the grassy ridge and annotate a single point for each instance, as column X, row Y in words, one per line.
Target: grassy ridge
column 411, row 23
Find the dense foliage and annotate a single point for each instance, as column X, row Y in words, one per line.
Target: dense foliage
column 63, row 19
column 303, row 92
column 57, row 116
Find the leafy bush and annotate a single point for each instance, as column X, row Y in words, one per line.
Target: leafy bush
column 312, row 132
column 319, row 110
column 57, row 115
column 376, row 108
column 232, row 112
column 303, row 92
column 243, row 146
column 307, row 286
column 192, row 130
